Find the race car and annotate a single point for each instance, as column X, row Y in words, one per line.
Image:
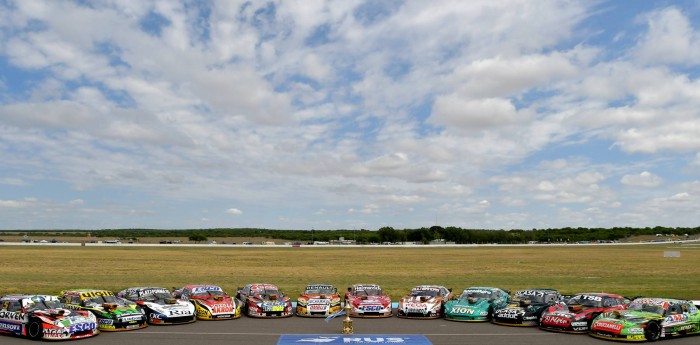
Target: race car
column 368, row 300
column 648, row 319
column 476, row 304
column 526, row 307
column 264, row 300
column 575, row 313
column 210, row 302
column 113, row 313
column 160, row 306
column 424, row 302
column 318, row 300
column 44, row 317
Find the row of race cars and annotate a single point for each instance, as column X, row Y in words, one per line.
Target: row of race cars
column 84, row 313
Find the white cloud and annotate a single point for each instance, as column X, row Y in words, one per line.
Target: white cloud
column 234, row 211
column 644, row 179
column 476, row 115
column 670, row 39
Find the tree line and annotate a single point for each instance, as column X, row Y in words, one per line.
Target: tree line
column 389, row 234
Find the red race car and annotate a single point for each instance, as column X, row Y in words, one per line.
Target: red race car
column 368, row 300
column 575, row 314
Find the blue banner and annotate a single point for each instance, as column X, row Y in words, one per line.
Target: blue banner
column 335, row 339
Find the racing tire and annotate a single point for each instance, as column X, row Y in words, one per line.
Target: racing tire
column 652, row 331
column 590, row 321
column 35, row 330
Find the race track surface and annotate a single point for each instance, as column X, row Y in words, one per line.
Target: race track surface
column 267, row 331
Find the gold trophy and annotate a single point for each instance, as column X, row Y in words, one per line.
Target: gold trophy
column 347, row 323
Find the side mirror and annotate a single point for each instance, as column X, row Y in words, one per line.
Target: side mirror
column 349, row 289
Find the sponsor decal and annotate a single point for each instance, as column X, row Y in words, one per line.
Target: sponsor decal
column 371, row 307
column 131, row 318
column 90, row 294
column 10, row 315
column 676, row 318
column 588, row 297
column 157, row 316
column 529, row 293
column 222, row 308
column 81, row 327
column 318, row 301
column 317, row 307
column 206, row 289
column 579, row 323
column 332, row 339
column 477, row 291
column 272, row 307
column 636, row 330
column 10, row 327
column 106, row 322
column 607, row 326
column 556, row 320
column 461, row 310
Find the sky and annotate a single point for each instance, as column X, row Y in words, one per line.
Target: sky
column 349, row 114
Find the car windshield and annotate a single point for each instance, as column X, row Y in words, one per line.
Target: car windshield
column 319, row 289
column 265, row 290
column 589, row 301
column 101, row 299
column 425, row 292
column 476, row 294
column 39, row 303
column 368, row 291
column 648, row 308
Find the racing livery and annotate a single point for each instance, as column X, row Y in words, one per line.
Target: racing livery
column 113, row 313
column 44, row 317
column 318, row 300
column 648, row 319
column 575, row 314
column 210, row 302
column 526, row 307
column 476, row 304
column 264, row 300
column 368, row 300
column 160, row 306
column 424, row 302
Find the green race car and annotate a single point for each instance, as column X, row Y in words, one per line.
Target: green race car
column 113, row 313
column 476, row 304
column 648, row 319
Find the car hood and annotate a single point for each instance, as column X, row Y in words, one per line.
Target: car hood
column 383, row 300
column 62, row 317
column 257, row 298
column 478, row 303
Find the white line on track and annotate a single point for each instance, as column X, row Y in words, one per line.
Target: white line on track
column 426, row 334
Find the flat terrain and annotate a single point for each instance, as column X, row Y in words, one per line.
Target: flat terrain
column 628, row 270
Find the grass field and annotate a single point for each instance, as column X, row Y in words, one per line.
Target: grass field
column 628, row 270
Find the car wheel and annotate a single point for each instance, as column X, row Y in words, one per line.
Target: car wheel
column 35, row 329
column 653, row 331
column 590, row 321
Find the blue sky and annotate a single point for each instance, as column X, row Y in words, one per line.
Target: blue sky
column 349, row 114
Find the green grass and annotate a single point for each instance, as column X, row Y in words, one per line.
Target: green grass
column 628, row 270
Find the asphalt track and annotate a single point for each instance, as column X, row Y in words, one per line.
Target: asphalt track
column 267, row 331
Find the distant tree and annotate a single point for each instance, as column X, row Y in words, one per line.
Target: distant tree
column 387, row 234
column 197, row 238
